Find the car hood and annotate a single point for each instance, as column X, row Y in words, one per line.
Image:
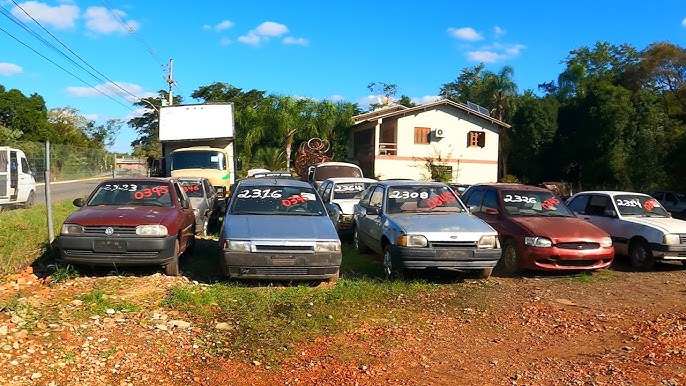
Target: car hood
column 254, row 227
column 439, row 222
column 119, row 215
column 346, row 205
column 665, row 224
column 560, row 228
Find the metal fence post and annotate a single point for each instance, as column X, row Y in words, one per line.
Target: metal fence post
column 48, row 199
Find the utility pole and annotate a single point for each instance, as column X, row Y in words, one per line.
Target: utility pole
column 170, row 80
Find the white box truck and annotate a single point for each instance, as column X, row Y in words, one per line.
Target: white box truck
column 198, row 141
column 17, row 184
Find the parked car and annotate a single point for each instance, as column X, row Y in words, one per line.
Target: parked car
column 204, row 201
column 340, row 194
column 537, row 231
column 278, row 175
column 458, row 188
column 419, row 225
column 130, row 221
column 640, row 227
column 673, row 202
column 278, row 229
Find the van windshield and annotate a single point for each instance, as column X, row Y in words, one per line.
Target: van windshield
column 198, row 159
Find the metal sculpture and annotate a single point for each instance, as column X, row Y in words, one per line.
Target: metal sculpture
column 309, row 153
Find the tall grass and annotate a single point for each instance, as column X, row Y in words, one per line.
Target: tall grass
column 24, row 234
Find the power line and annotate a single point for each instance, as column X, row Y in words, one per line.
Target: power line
column 64, row 69
column 111, row 82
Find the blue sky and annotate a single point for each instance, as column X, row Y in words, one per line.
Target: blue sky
column 317, row 49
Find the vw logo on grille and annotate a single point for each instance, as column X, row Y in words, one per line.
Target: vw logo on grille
column 109, row 231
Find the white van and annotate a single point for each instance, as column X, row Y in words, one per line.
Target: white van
column 17, row 184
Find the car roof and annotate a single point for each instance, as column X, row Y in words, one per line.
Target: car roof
column 350, row 179
column 138, row 179
column 191, row 178
column 609, row 192
column 335, row 163
column 274, row 182
column 410, row 183
column 511, row 186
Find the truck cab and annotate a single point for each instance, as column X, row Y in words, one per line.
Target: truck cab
column 17, row 183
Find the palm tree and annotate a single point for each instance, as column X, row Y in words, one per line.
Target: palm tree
column 501, row 86
column 271, row 158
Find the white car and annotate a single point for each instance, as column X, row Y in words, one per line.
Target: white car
column 639, row 225
column 340, row 194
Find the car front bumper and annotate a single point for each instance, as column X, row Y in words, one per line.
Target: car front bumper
column 117, row 250
column 281, row 266
column 345, row 222
column 561, row 259
column 668, row 252
column 446, row 258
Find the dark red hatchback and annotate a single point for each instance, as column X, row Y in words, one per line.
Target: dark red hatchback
column 537, row 231
column 130, row 221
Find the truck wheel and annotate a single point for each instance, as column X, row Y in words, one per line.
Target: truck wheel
column 29, row 200
column 641, row 255
column 172, row 267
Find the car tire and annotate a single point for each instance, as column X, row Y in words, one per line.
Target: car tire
column 640, row 254
column 172, row 267
column 358, row 244
column 509, row 263
column 391, row 269
column 205, row 226
column 29, row 200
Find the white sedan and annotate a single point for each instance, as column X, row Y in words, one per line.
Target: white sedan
column 639, row 226
column 340, row 194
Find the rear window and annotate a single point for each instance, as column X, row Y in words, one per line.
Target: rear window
column 276, row 200
column 122, row 192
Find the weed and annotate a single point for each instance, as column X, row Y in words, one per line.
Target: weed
column 61, row 273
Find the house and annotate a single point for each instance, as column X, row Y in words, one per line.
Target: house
column 458, row 140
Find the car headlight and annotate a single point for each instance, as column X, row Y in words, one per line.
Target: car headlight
column 671, row 239
column 327, row 246
column 151, row 230
column 606, row 242
column 543, row 242
column 72, row 229
column 237, row 246
column 412, row 241
column 488, row 242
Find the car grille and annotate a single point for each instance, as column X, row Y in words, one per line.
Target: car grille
column 578, row 246
column 100, row 231
column 453, row 244
column 83, row 253
column 682, row 238
column 283, row 271
column 285, row 248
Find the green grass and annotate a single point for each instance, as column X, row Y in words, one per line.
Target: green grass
column 97, row 302
column 24, row 234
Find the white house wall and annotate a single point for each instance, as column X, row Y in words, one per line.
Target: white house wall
column 470, row 164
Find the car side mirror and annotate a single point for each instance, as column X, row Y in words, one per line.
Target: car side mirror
column 79, row 202
column 610, row 213
column 373, row 211
column 239, row 163
column 473, row 209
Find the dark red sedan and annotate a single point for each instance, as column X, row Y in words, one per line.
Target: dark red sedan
column 130, row 221
column 537, row 231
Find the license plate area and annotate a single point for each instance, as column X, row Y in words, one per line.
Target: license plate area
column 109, row 246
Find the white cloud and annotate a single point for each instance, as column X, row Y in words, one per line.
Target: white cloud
column 295, row 41
column 222, row 25
column 498, row 31
column 484, row 56
column 683, row 22
column 466, row 33
column 111, row 89
column 100, row 20
column 61, row 16
column 95, row 117
column 366, row 102
column 9, row 69
column 263, row 32
column 496, row 52
column 426, row 99
column 224, row 41
column 336, row 98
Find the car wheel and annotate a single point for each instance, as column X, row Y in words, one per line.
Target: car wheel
column 390, row 268
column 172, row 267
column 641, row 255
column 359, row 246
column 29, row 200
column 205, row 226
column 509, row 263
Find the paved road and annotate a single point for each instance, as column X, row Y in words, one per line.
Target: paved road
column 66, row 190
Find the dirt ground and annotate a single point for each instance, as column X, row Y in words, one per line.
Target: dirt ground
column 621, row 328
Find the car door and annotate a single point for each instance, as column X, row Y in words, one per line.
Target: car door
column 474, row 199
column 601, row 211
column 369, row 224
column 187, row 216
column 490, row 208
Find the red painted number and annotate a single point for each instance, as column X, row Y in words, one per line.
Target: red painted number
column 191, row 188
column 440, row 200
column 649, row 205
column 292, row 200
column 148, row 192
column 550, row 203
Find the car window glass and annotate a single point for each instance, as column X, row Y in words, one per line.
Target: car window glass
column 639, row 205
column 490, row 200
column 193, row 188
column 377, row 197
column 123, row 192
column 671, row 197
column 349, row 190
column 578, row 204
column 538, row 203
column 25, row 166
column 327, row 192
column 276, row 200
column 475, row 198
column 180, row 193
column 321, row 189
column 598, row 204
column 422, row 198
column 364, row 202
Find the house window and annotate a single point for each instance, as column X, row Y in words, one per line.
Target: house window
column 421, row 135
column 476, row 138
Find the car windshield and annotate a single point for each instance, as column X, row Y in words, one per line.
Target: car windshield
column 322, row 173
column 197, row 159
column 349, row 190
column 276, row 200
column 193, row 188
column 639, row 205
column 534, row 203
column 422, row 198
column 122, row 192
